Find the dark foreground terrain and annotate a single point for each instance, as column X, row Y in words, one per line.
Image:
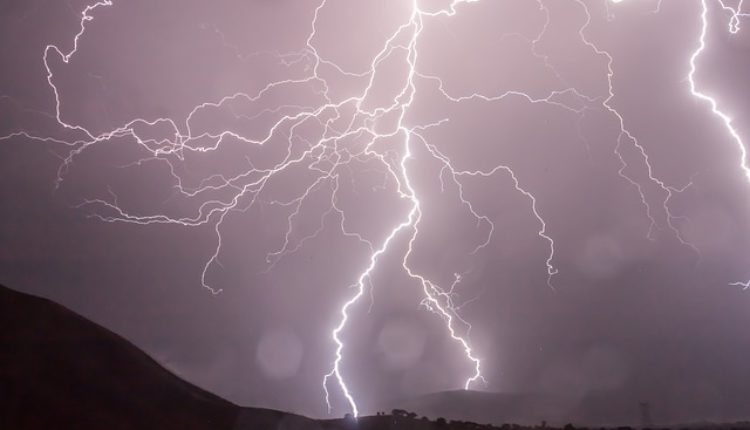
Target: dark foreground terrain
column 61, row 371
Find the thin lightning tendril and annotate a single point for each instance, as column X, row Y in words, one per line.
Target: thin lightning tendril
column 330, row 154
column 624, row 136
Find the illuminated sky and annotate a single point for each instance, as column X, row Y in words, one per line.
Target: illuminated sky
column 518, row 196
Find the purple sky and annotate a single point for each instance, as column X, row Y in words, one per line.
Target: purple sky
column 135, row 234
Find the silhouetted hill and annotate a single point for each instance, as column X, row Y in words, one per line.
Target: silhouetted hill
column 61, row 371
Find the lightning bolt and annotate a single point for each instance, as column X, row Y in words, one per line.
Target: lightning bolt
column 432, row 291
column 726, row 120
column 349, row 131
column 735, row 19
column 626, row 137
column 733, row 27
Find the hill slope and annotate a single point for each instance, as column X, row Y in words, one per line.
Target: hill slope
column 59, row 370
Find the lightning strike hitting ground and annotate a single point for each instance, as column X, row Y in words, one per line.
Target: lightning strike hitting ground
column 338, row 147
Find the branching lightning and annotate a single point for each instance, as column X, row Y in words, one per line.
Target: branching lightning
column 625, row 136
column 338, row 147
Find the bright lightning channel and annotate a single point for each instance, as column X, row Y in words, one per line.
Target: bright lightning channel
column 726, row 120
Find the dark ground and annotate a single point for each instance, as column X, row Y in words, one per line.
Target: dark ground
column 59, row 370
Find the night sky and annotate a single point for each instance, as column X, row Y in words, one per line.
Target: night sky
column 445, row 139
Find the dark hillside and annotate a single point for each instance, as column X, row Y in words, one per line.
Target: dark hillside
column 59, row 370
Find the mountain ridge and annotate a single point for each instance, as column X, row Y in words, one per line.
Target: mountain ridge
column 60, row 370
